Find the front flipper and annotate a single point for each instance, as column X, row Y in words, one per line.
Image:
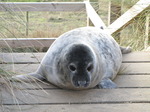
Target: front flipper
column 28, row 78
column 107, row 84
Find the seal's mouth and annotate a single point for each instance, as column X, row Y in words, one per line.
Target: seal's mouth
column 81, row 84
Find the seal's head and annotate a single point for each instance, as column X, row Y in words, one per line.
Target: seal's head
column 80, row 65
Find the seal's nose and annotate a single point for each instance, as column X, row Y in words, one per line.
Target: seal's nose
column 82, row 83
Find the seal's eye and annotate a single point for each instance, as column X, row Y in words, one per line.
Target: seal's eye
column 90, row 67
column 72, row 67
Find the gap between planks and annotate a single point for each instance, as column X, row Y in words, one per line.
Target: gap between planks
column 84, row 103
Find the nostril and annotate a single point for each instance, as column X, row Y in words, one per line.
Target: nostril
column 82, row 83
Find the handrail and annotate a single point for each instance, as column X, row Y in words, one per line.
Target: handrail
column 93, row 16
column 69, row 6
column 129, row 15
column 42, row 6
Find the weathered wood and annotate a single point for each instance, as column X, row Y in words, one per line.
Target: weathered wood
column 122, row 81
column 94, row 17
column 129, row 15
column 27, row 23
column 19, row 68
column 137, row 57
column 126, row 68
column 132, row 93
column 75, row 97
column 18, row 58
column 135, row 68
column 127, row 107
column 147, row 31
column 26, row 42
column 109, row 13
column 133, row 63
column 132, row 81
column 134, row 57
column 42, row 6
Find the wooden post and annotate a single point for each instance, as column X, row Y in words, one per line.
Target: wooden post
column 128, row 16
column 109, row 12
column 88, row 22
column 27, row 23
column 147, row 39
column 115, row 13
column 94, row 17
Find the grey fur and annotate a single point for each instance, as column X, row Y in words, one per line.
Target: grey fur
column 103, row 51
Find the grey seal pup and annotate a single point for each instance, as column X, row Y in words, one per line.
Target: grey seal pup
column 80, row 59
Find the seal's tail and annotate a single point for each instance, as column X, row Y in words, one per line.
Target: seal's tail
column 125, row 50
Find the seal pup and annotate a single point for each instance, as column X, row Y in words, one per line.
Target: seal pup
column 80, row 59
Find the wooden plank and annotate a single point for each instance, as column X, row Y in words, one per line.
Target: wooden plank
column 137, row 57
column 94, row 17
column 11, row 97
column 129, row 107
column 129, row 15
column 26, row 42
column 132, row 81
column 19, row 68
column 133, row 76
column 134, row 57
column 122, row 81
column 135, row 68
column 21, row 58
column 42, row 6
column 126, row 68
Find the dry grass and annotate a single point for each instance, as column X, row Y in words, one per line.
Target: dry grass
column 134, row 34
column 41, row 24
